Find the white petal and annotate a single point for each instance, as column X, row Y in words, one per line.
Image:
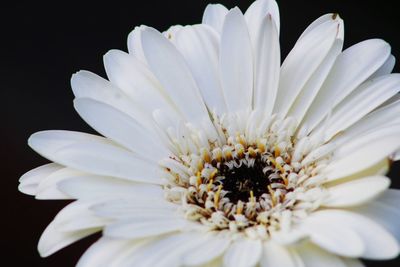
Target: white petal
column 380, row 118
column 135, row 79
column 214, row 16
column 256, row 13
column 356, row 192
column 210, row 248
column 52, row 240
column 48, row 187
column 29, row 181
column 360, row 102
column 304, row 60
column 364, row 152
column 267, row 65
column 333, row 237
column 312, row 256
column 277, row 255
column 136, row 228
column 103, row 252
column 199, row 45
column 385, row 210
column 351, row 68
column 378, row 243
column 135, row 43
column 386, row 68
column 91, row 186
column 352, row 262
column 313, row 85
column 93, row 154
column 121, row 128
column 89, row 85
column 128, row 208
column 71, row 224
column 243, row 253
column 163, row 252
column 236, row 64
column 169, row 66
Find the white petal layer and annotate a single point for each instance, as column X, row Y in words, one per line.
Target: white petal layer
column 243, row 253
column 199, row 45
column 352, row 67
column 92, row 186
column 170, row 68
column 297, row 68
column 71, row 224
column 312, row 256
column 93, row 154
column 30, row 181
column 277, row 255
column 377, row 242
column 356, row 192
column 121, row 128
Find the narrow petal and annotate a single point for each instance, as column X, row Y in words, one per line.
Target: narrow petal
column 30, row 181
column 199, row 45
column 243, row 253
column 214, row 16
column 297, row 68
column 236, row 64
column 356, row 192
column 267, row 65
column 121, row 128
column 355, row 65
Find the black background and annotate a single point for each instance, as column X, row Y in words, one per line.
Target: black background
column 42, row 45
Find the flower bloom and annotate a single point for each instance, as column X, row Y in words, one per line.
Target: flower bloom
column 216, row 154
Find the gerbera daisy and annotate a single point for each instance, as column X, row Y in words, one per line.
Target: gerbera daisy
column 216, row 154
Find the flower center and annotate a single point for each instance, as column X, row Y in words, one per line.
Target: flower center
column 244, row 182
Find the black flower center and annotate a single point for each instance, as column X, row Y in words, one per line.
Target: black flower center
column 244, row 181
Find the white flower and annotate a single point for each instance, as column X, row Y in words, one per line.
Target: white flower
column 215, row 154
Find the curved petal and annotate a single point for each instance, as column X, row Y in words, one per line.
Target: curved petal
column 312, row 256
column 277, row 255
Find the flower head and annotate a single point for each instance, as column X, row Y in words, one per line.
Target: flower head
column 216, row 154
